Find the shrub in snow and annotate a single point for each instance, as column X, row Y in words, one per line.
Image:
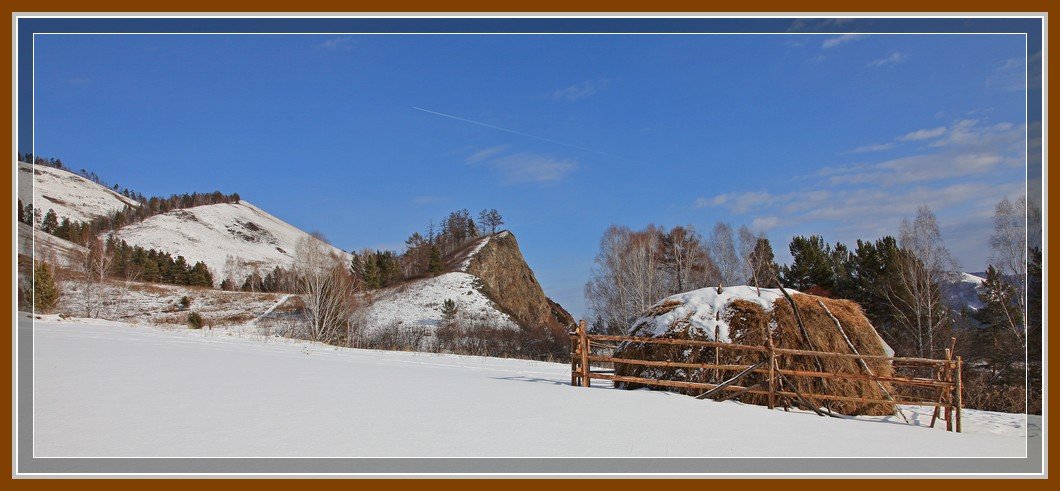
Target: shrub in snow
column 195, row 320
column 185, row 302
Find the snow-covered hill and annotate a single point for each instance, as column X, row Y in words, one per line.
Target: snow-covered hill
column 105, row 389
column 418, row 303
column 48, row 248
column 965, row 292
column 233, row 239
column 70, row 195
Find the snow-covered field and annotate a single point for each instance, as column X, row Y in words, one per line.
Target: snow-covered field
column 70, row 195
column 419, row 302
column 110, row 389
column 233, row 239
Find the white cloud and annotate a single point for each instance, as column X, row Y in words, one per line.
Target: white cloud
column 967, row 168
column 874, row 147
column 890, row 59
column 580, row 90
column 343, row 43
column 485, row 153
column 763, row 224
column 838, row 40
column 522, row 168
column 737, row 202
column 925, row 134
column 1012, row 75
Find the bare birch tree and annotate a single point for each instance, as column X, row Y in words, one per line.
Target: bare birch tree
column 94, row 265
column 722, row 248
column 327, row 288
column 923, row 268
column 636, row 269
column 1008, row 244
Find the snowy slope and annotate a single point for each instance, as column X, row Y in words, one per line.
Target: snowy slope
column 47, row 247
column 233, row 239
column 107, row 389
column 418, row 303
column 70, row 195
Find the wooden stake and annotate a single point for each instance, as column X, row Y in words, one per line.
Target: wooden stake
column 584, row 343
column 717, row 354
column 939, row 374
column 574, row 355
column 960, row 393
column 772, row 370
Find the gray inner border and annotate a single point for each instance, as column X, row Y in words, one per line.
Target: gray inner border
column 27, row 464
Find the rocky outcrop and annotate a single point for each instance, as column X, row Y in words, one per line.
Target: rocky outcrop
column 510, row 283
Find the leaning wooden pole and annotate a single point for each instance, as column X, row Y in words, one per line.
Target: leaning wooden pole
column 805, row 335
column 861, row 361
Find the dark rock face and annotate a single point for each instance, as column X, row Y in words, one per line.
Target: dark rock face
column 510, row 283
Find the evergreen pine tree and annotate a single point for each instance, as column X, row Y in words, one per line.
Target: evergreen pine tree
column 50, row 222
column 434, row 264
column 1000, row 339
column 45, row 290
column 449, row 311
column 811, row 265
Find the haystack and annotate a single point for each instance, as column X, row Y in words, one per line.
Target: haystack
column 744, row 315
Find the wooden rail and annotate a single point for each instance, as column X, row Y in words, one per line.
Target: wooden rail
column 945, row 386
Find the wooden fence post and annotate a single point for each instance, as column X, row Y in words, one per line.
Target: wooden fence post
column 717, row 355
column 772, row 369
column 948, row 408
column 584, row 343
column 960, row 392
column 575, row 354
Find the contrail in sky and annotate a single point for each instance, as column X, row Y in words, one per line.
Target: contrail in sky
column 520, row 133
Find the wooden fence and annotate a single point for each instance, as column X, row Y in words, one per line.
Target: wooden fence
column 930, row 382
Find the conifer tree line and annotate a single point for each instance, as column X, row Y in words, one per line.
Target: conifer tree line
column 136, row 263
column 905, row 284
column 424, row 252
column 279, row 280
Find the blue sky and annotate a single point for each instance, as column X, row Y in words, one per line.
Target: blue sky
column 837, row 135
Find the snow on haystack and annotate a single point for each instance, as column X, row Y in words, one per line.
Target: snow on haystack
column 233, row 239
column 419, row 302
column 706, row 309
column 70, row 195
